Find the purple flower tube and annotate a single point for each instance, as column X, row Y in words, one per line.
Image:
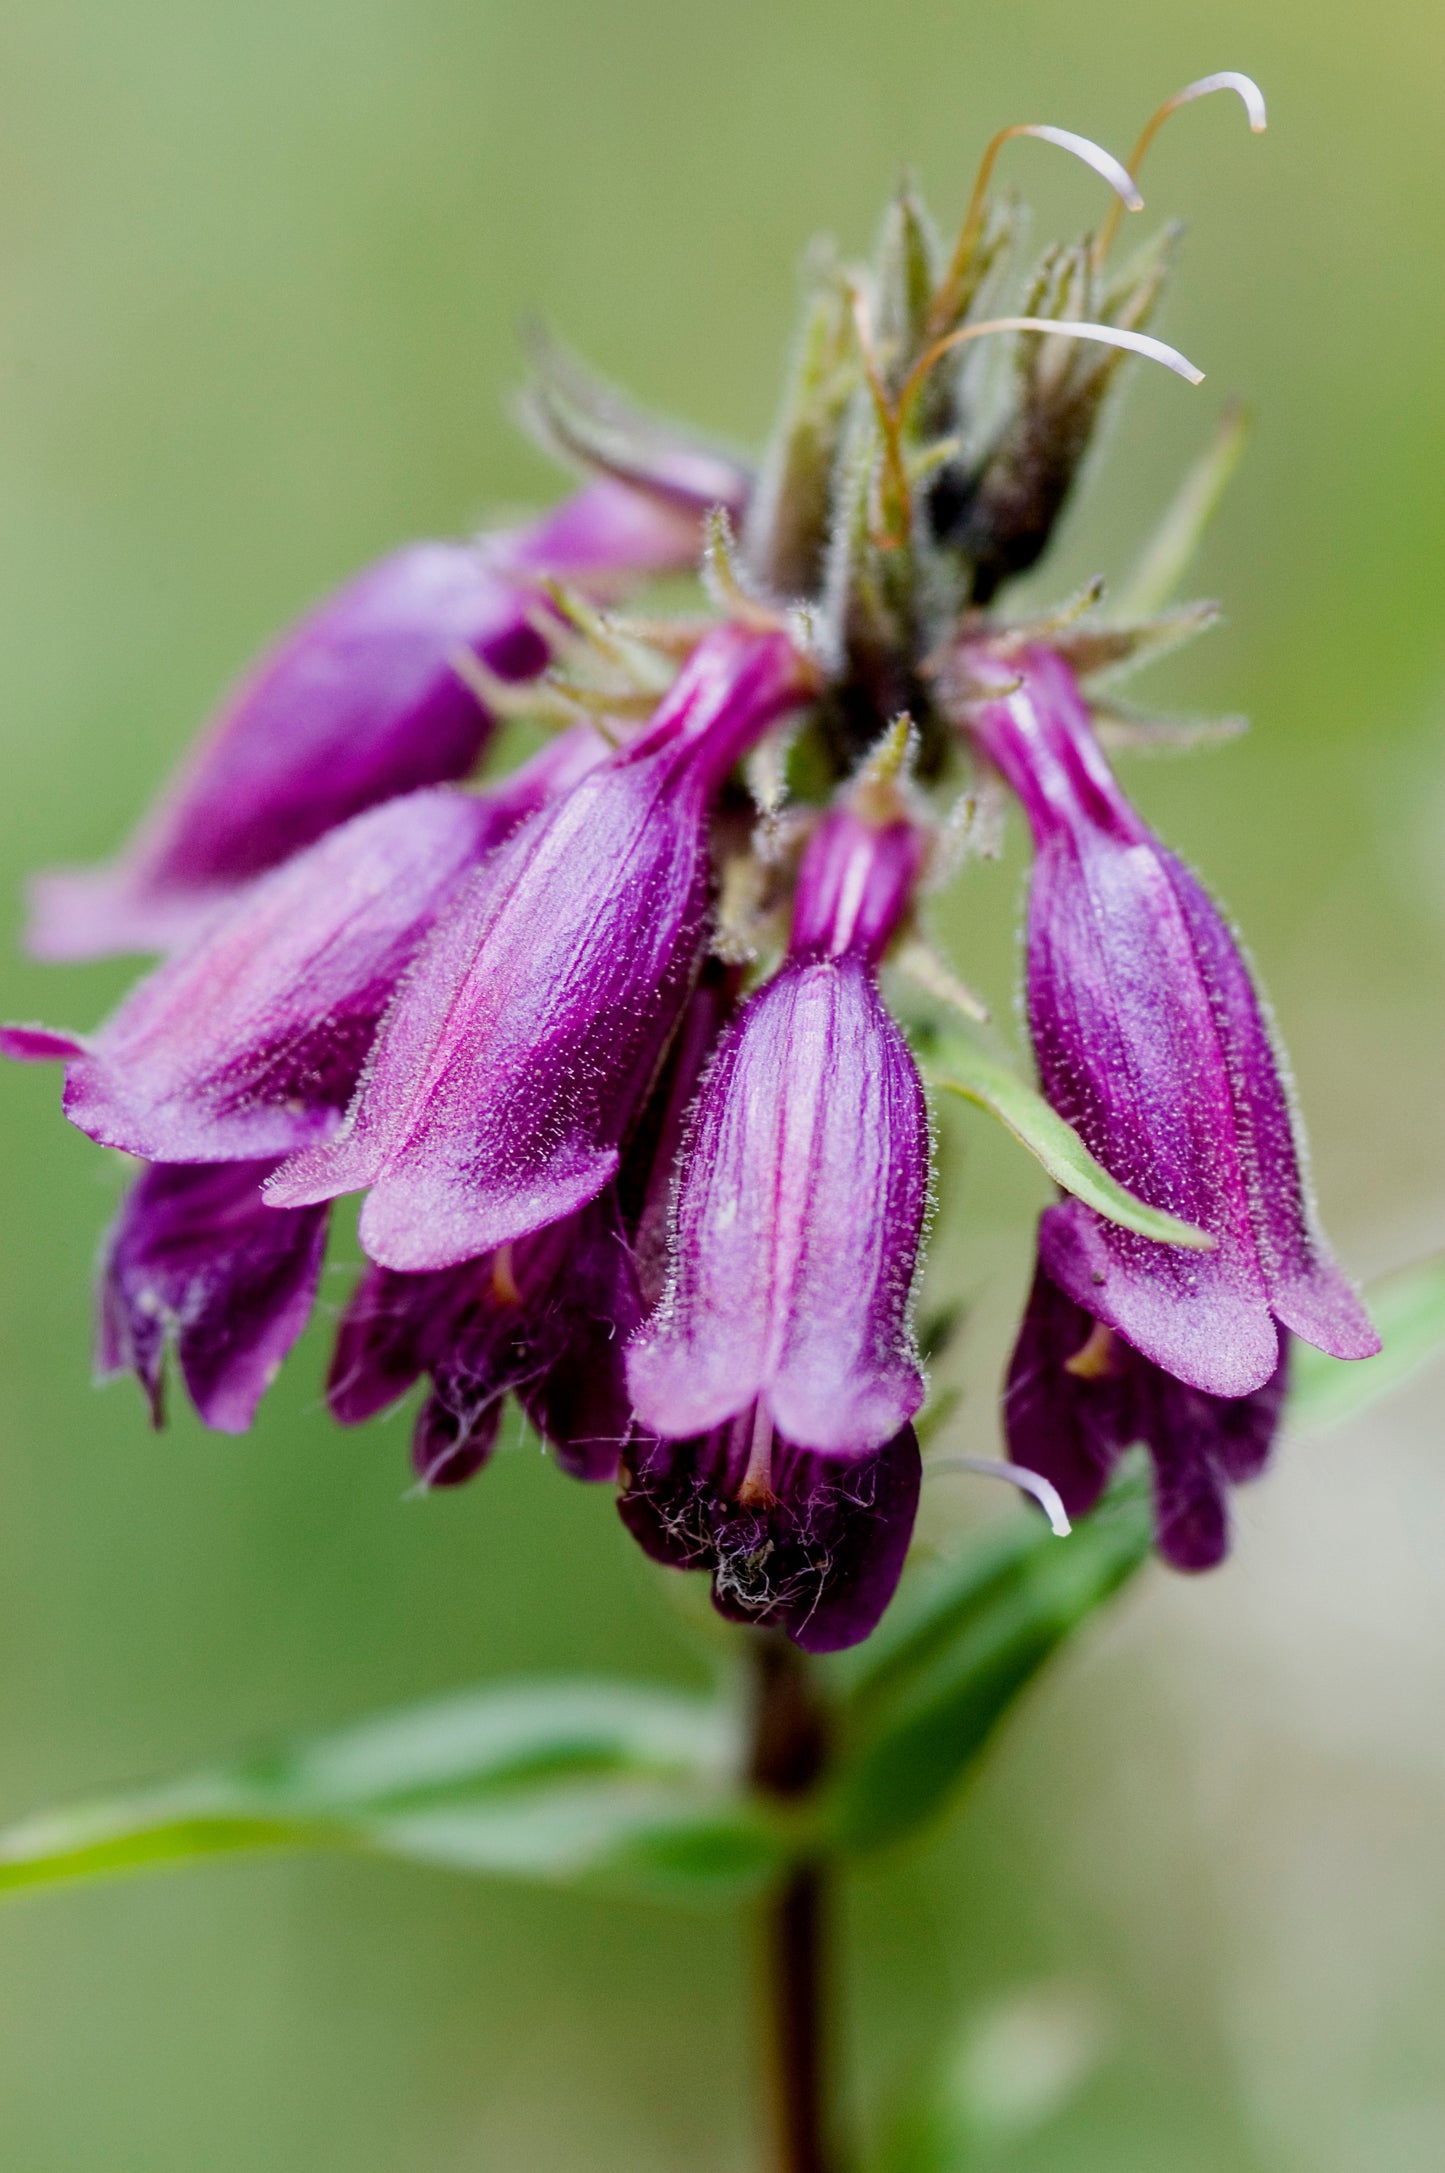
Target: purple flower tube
column 802, row 1195
column 518, row 1049
column 1153, row 1043
column 361, row 701
column 249, row 1043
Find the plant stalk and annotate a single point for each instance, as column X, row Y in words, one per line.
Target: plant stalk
column 789, row 1757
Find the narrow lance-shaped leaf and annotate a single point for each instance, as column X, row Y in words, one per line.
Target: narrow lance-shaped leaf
column 930, row 1688
column 1408, row 1310
column 973, row 1074
column 559, row 1782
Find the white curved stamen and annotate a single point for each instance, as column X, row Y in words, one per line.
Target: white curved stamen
column 1103, row 163
column 1043, row 1490
column 1108, row 335
column 1227, row 79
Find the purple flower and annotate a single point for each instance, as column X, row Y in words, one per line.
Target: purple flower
column 361, row 701
column 802, row 1196
column 1078, row 1395
column 1152, row 1042
column 515, row 1056
column 819, row 1558
column 250, row 1042
column 197, row 1258
column 545, row 1318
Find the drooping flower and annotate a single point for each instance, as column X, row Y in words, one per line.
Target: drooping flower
column 361, row 701
column 1078, row 1395
column 515, row 1056
column 250, row 1042
column 819, row 1557
column 1152, row 1042
column 801, row 1201
column 197, row 1258
column 545, row 1319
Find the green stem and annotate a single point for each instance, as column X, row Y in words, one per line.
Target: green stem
column 789, row 1758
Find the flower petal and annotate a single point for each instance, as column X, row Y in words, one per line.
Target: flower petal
column 198, row 1256
column 821, row 1560
column 1307, row 1291
column 1076, row 1398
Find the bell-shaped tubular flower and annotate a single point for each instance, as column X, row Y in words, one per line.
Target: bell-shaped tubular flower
column 545, row 1318
column 1153, row 1043
column 819, row 1556
column 804, row 1184
column 1078, row 1395
column 362, row 700
column 515, row 1055
column 197, row 1259
column 251, row 1041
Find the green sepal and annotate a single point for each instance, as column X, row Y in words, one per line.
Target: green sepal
column 951, row 1659
column 567, row 1783
column 1408, row 1310
column 907, row 275
column 785, row 530
column 972, row 1073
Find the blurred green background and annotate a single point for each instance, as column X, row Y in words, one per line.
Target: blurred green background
column 260, row 271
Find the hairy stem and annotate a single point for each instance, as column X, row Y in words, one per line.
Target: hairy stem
column 789, row 1757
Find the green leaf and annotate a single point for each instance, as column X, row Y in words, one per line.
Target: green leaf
column 928, row 1690
column 1408, row 1309
column 972, row 1073
column 557, row 1781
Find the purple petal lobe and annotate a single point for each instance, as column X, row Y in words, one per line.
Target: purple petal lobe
column 1307, row 1291
column 361, row 701
column 545, row 1318
column 1077, row 1396
column 250, row 1042
column 197, row 1256
column 39, row 1045
column 605, row 534
column 821, row 1560
column 797, row 1225
column 514, row 1057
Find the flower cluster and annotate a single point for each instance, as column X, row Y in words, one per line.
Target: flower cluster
column 602, row 1040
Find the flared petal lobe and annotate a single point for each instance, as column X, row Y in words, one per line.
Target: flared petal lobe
column 1078, row 1395
column 1151, row 1041
column 361, row 701
column 198, row 1258
column 804, row 1186
column 545, row 1318
column 514, row 1058
column 821, row 1559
